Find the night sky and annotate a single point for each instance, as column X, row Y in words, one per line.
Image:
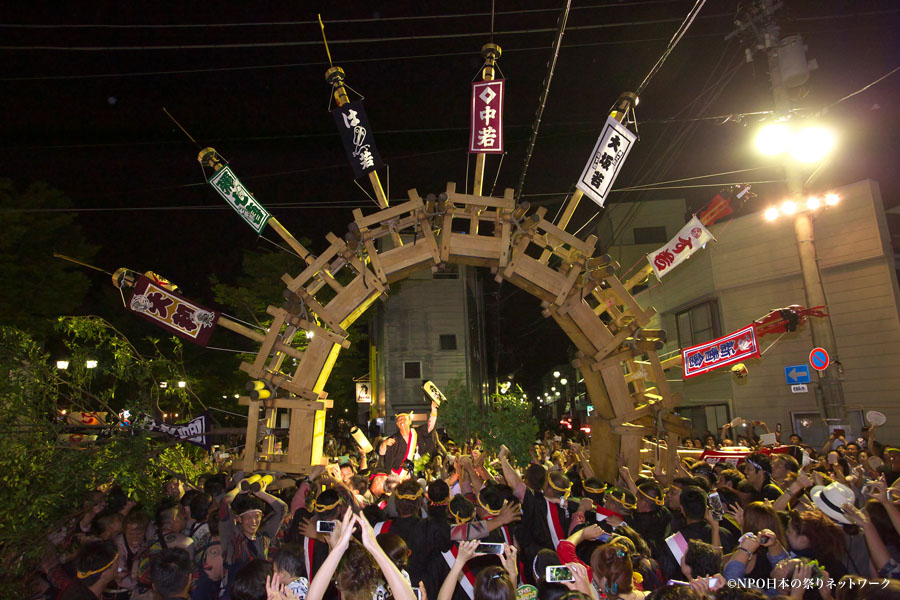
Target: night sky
column 83, row 91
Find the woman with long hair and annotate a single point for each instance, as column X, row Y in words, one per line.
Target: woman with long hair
column 759, row 517
column 811, row 534
column 612, row 572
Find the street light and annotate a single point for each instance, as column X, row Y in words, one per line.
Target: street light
column 182, row 384
column 808, row 144
column 564, row 381
column 791, row 208
column 62, row 364
column 556, row 374
column 91, row 364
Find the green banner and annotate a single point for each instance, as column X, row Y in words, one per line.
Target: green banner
column 239, row 198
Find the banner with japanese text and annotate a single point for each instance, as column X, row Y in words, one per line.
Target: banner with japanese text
column 606, row 161
column 486, row 130
column 358, row 139
column 193, row 432
column 172, row 312
column 726, row 350
column 240, row 199
column 691, row 238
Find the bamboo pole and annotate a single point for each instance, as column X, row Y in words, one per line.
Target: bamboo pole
column 490, row 52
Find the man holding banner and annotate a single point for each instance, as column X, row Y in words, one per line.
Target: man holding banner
column 409, row 441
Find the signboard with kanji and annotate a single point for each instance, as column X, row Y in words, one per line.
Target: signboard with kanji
column 726, row 350
column 691, row 238
column 358, row 139
column 240, row 199
column 172, row 312
column 606, row 161
column 486, row 131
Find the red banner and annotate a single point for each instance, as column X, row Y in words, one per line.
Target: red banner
column 172, row 312
column 736, row 457
column 727, row 350
column 486, row 132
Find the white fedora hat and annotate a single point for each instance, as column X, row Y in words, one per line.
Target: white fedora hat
column 831, row 498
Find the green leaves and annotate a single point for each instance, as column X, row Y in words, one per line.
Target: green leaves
column 504, row 420
column 43, row 478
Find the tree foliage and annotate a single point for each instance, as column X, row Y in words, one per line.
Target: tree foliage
column 505, row 419
column 44, row 286
column 44, row 478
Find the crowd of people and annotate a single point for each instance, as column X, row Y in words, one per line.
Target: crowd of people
column 757, row 521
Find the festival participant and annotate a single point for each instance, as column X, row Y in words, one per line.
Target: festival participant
column 200, row 505
column 289, row 567
column 169, row 526
column 170, row 574
column 95, row 568
column 760, row 519
column 493, row 583
column 328, row 506
column 356, row 578
column 426, row 538
column 758, row 471
column 546, row 513
column 175, row 489
column 245, row 534
column 212, row 570
column 409, row 441
column 132, row 546
column 250, row 581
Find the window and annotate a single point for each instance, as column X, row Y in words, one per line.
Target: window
column 650, row 235
column 698, row 324
column 412, row 370
column 448, row 341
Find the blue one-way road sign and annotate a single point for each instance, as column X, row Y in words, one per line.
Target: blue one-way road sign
column 797, row 374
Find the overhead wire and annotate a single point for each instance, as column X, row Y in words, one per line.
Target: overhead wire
column 331, row 21
column 545, row 92
column 676, row 37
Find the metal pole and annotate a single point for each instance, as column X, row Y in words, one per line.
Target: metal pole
column 831, row 403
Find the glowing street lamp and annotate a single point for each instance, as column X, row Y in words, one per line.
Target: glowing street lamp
column 182, row 384
column 808, row 144
column 91, row 364
column 62, row 364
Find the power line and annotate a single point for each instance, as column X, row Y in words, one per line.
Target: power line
column 862, row 89
column 330, row 21
column 676, row 37
column 406, row 38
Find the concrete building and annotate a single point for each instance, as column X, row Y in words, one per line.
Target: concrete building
column 752, row 268
column 430, row 328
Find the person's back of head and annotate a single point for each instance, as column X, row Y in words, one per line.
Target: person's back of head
column 702, row 559
column 493, row 583
column 460, row 510
column 551, row 591
column 328, row 504
column 395, row 548
column 96, row 561
column 250, row 580
column 107, row 525
column 740, row 593
column 358, row 575
column 693, row 503
column 359, row 484
column 612, row 562
column 200, row 504
column 215, row 485
column 438, row 491
column 408, row 497
column 559, row 485
column 170, row 572
column 543, row 559
column 290, row 560
column 535, row 476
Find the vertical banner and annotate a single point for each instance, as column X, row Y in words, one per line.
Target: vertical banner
column 732, row 348
column 359, row 142
column 242, row 201
column 609, row 155
column 691, row 238
column 172, row 312
column 486, row 129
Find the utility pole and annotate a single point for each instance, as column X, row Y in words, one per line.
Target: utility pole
column 829, row 393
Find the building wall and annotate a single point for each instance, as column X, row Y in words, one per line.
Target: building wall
column 408, row 326
column 753, row 267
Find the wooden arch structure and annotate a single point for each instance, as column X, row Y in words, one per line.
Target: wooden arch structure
column 624, row 377
column 617, row 354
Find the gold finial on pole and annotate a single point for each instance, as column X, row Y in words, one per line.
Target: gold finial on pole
column 327, row 51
